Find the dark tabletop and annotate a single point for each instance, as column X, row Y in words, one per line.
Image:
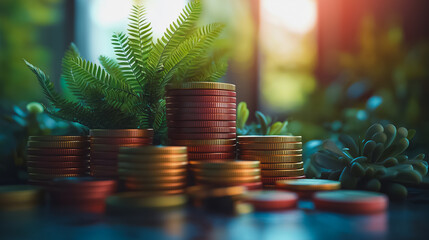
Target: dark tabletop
column 404, row 220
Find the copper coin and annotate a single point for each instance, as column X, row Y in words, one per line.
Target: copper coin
column 202, row 142
column 57, row 170
column 58, row 144
column 273, row 159
column 273, row 180
column 152, row 165
column 271, row 200
column 102, row 162
column 59, row 158
column 270, row 146
column 202, row 85
column 151, row 179
column 202, row 136
column 211, row 149
column 219, row 99
column 104, row 155
column 201, row 111
column 270, row 152
column 221, row 165
column 104, row 168
column 39, row 176
column 201, row 105
column 204, row 156
column 227, row 172
column 283, row 173
column 200, row 124
column 84, row 182
column 152, row 172
column 155, row 186
column 57, row 151
column 163, row 150
column 202, row 130
column 228, row 180
column 114, row 141
column 268, row 139
column 40, row 164
column 122, row 133
column 200, row 92
column 111, row 148
column 202, row 116
column 56, row 138
column 279, row 166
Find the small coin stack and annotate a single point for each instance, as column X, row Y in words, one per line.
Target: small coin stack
column 56, row 156
column 105, row 144
column 202, row 116
column 154, row 169
column 20, row 197
column 227, row 173
column 81, row 193
column 280, row 156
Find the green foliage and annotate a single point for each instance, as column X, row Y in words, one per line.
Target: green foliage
column 263, row 126
column 129, row 92
column 376, row 163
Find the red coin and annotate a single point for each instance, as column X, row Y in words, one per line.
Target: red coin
column 104, row 155
column 269, row 200
column 252, row 185
column 201, row 105
column 121, row 140
column 59, row 158
column 196, row 116
column 40, row 164
column 200, row 92
column 211, row 148
column 57, row 170
column 202, row 136
column 349, row 201
column 201, row 110
column 210, row 156
column 203, row 130
column 219, row 99
column 57, row 151
column 273, row 180
column 200, row 124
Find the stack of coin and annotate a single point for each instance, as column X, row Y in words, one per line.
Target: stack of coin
column 105, row 144
column 19, row 197
column 227, row 173
column 201, row 115
column 280, row 156
column 154, row 169
column 56, row 156
column 82, row 193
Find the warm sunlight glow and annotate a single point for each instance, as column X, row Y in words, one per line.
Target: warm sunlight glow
column 298, row 16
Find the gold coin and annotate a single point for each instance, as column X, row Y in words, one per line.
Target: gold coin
column 111, row 148
column 273, row 159
column 58, row 144
column 155, row 186
column 227, row 172
column 155, row 150
column 202, row 85
column 121, row 133
column 152, row 172
column 279, row 166
column 12, row 194
column 138, row 200
column 153, row 158
column 309, row 184
column 152, row 165
column 268, row 139
column 228, row 180
column 206, row 192
column 224, row 164
column 270, row 153
column 54, row 138
column 203, row 142
column 270, row 146
column 164, row 179
column 283, row 173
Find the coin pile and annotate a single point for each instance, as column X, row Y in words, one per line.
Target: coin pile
column 105, row 144
column 56, row 156
column 154, row 169
column 202, row 116
column 82, row 193
column 227, row 173
column 280, row 156
column 19, row 197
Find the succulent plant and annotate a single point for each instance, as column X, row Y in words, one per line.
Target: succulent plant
column 375, row 163
column 263, row 127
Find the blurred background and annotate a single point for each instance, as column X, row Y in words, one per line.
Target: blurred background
column 327, row 66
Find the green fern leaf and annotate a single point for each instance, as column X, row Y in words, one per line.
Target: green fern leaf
column 140, row 36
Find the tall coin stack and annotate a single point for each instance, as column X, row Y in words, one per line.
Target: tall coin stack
column 105, row 144
column 280, row 156
column 50, row 157
column 157, row 170
column 227, row 173
column 201, row 116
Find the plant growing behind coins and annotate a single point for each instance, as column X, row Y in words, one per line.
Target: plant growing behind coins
column 376, row 163
column 262, row 127
column 129, row 92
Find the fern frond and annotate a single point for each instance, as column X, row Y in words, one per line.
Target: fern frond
column 127, row 62
column 174, row 35
column 140, row 36
column 212, row 68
